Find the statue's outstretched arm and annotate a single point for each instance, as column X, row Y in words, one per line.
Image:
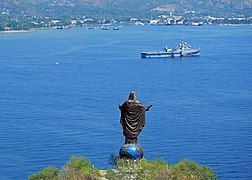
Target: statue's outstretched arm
column 148, row 107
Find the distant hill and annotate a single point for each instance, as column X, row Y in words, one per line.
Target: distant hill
column 125, row 8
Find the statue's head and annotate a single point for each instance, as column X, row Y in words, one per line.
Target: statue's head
column 132, row 96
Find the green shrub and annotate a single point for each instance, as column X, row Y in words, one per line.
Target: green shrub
column 78, row 168
column 187, row 169
column 49, row 173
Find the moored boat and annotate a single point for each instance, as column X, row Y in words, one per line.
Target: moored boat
column 182, row 50
column 105, row 28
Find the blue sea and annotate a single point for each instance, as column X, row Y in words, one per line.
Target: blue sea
column 60, row 91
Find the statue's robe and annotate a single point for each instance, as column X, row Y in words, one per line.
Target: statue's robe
column 132, row 118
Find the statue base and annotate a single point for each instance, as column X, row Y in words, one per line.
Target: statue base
column 131, row 151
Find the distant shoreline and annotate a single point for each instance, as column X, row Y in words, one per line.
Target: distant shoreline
column 35, row 29
column 17, row 31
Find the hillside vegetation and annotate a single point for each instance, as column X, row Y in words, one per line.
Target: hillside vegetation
column 125, row 8
column 79, row 168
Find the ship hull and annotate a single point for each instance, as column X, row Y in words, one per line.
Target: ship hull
column 168, row 54
column 155, row 54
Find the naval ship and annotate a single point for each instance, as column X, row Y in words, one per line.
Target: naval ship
column 182, row 50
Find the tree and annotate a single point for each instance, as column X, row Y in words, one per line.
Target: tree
column 1, row 28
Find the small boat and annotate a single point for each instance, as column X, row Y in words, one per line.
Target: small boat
column 90, row 28
column 105, row 28
column 182, row 50
column 116, row 29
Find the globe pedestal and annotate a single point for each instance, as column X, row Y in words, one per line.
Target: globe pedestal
column 131, row 151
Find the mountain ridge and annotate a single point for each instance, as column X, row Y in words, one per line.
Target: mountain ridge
column 127, row 8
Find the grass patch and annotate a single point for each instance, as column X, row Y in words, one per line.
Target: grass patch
column 79, row 168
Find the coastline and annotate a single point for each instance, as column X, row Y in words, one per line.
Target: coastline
column 35, row 29
column 16, row 31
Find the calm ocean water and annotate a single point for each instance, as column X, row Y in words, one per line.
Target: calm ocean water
column 60, row 91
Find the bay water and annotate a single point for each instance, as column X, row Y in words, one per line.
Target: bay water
column 60, row 91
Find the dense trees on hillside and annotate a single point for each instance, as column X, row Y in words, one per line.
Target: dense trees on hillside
column 124, row 8
column 27, row 14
